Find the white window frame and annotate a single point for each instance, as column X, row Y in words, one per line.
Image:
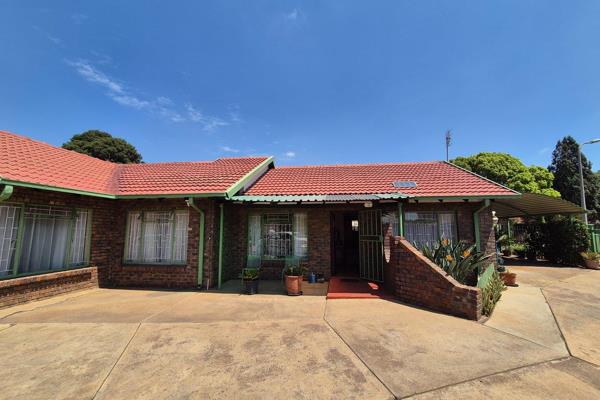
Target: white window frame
column 298, row 235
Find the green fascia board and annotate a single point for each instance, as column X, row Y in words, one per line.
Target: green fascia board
column 469, row 198
column 107, row 195
column 56, row 189
column 233, row 189
column 307, row 198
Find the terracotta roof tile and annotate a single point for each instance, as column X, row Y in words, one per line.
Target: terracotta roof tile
column 26, row 160
column 436, row 178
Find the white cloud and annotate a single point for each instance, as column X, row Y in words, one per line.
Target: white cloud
column 79, row 18
column 543, row 150
column 91, row 74
column 290, row 154
column 161, row 105
column 292, row 15
column 56, row 40
column 228, row 149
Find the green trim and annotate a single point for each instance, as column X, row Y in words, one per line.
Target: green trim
column 168, row 196
column 461, row 198
column 6, row 193
column 200, row 279
column 400, row 220
column 476, row 224
column 221, row 233
column 233, row 189
column 70, row 234
column 56, row 189
column 18, row 246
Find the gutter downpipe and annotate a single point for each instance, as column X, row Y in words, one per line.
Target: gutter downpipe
column 400, row 220
column 221, row 218
column 190, row 203
column 6, row 193
column 485, row 205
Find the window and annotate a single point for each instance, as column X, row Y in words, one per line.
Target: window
column 9, row 220
column 425, row 228
column 157, row 237
column 277, row 235
column 51, row 238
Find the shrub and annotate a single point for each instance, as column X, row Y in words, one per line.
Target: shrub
column 460, row 260
column 492, row 293
column 559, row 239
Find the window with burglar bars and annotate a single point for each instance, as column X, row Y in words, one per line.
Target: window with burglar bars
column 36, row 239
column 277, row 235
column 157, row 237
column 426, row 228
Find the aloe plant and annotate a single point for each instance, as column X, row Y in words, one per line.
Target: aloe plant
column 460, row 260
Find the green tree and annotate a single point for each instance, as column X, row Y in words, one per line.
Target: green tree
column 565, row 167
column 511, row 172
column 104, row 146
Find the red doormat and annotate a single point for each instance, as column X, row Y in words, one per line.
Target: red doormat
column 355, row 288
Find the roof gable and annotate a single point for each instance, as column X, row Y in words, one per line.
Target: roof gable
column 28, row 161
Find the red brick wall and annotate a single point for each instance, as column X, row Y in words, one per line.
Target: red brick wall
column 37, row 287
column 165, row 276
column 416, row 280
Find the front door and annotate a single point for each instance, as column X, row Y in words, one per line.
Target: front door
column 370, row 249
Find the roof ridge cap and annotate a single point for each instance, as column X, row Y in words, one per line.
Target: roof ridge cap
column 360, row 164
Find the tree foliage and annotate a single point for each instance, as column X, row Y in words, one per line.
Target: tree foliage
column 511, row 172
column 565, row 167
column 104, row 146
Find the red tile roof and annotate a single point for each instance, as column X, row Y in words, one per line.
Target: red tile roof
column 433, row 179
column 30, row 161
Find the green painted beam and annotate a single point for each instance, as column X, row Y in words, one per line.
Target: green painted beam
column 400, row 220
column 233, row 189
column 7, row 191
column 56, row 189
column 221, row 234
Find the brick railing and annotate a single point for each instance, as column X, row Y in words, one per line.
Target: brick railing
column 417, row 280
column 36, row 287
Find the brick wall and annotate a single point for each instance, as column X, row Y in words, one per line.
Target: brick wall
column 37, row 287
column 416, row 280
column 165, row 276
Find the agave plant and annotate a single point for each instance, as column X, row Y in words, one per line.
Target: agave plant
column 460, row 259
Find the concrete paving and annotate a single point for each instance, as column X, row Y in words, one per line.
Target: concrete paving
column 159, row 344
column 564, row 379
column 523, row 311
column 413, row 351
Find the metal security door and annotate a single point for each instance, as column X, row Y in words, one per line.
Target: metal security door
column 370, row 248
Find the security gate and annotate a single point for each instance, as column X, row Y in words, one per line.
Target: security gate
column 370, row 249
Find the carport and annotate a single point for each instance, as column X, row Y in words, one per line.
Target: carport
column 532, row 205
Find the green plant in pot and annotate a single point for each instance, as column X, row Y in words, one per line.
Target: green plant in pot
column 591, row 260
column 293, row 279
column 250, row 277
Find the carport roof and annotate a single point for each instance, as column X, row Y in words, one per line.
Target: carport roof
column 532, row 204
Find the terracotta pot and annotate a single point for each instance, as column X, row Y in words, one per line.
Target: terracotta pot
column 509, row 278
column 592, row 264
column 293, row 285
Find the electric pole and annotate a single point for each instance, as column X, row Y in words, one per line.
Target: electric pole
column 448, row 143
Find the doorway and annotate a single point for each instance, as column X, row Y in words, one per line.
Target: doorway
column 345, row 244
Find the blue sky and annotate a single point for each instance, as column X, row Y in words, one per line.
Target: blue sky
column 309, row 82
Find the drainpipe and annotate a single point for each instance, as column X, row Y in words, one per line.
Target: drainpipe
column 190, row 203
column 221, row 218
column 6, row 193
column 400, row 220
column 485, row 205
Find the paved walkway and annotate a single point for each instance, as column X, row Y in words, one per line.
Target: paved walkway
column 128, row 344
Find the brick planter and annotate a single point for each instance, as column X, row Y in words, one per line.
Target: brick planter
column 417, row 280
column 29, row 288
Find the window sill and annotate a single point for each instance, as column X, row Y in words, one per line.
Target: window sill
column 138, row 264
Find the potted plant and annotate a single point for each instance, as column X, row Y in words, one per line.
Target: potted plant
column 250, row 279
column 591, row 260
column 509, row 278
column 293, row 280
column 519, row 249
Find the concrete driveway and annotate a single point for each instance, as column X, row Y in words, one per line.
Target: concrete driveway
column 117, row 344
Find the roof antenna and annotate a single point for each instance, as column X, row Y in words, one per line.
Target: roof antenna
column 448, row 142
